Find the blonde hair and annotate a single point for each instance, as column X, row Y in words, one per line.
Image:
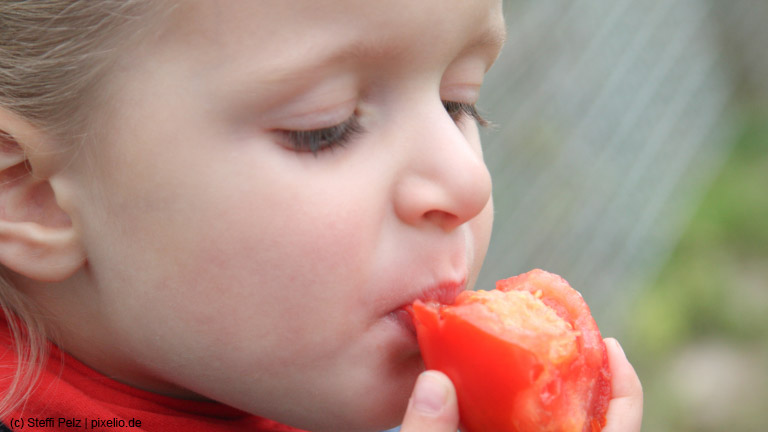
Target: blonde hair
column 53, row 54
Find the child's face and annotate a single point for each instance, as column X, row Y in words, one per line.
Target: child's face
column 227, row 264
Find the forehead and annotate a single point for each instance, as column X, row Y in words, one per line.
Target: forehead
column 304, row 29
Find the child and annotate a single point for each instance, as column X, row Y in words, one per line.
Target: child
column 217, row 210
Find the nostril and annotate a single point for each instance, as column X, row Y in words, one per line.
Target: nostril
column 445, row 220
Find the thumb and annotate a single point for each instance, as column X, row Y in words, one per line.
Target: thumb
column 432, row 407
column 625, row 410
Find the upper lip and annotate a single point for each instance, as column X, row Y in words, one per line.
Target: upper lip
column 444, row 292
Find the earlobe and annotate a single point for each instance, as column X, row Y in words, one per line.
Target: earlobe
column 38, row 252
column 37, row 239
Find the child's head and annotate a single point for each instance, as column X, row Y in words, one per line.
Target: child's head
column 253, row 193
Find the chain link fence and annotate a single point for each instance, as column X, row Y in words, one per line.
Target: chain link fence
column 612, row 121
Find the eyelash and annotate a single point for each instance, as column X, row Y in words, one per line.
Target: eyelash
column 457, row 110
column 317, row 140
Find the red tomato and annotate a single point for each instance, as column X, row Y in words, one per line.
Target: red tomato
column 527, row 356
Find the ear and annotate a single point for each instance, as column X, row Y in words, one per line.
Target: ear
column 37, row 239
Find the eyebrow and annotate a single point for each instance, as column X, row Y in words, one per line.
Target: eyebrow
column 491, row 39
column 495, row 37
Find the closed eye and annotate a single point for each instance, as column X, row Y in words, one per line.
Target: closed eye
column 458, row 110
column 317, row 140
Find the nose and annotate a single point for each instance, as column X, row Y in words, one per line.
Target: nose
column 444, row 180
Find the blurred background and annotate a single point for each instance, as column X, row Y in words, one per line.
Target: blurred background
column 631, row 157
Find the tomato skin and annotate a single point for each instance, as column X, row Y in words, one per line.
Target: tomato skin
column 503, row 382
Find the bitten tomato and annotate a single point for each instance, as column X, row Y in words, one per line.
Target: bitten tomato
column 527, row 356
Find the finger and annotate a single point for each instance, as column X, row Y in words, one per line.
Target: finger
column 625, row 411
column 432, row 407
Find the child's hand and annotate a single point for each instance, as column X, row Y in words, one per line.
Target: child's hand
column 625, row 411
column 433, row 407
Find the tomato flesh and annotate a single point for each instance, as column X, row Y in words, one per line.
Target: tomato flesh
column 526, row 356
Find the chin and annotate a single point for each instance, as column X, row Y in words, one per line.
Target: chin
column 382, row 405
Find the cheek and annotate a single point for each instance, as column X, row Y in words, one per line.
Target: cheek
column 272, row 257
column 218, row 258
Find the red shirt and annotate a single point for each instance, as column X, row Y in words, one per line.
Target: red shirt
column 70, row 396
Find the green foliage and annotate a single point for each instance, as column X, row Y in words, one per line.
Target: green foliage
column 715, row 286
column 707, row 288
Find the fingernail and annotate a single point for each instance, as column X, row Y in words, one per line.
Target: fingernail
column 618, row 345
column 430, row 394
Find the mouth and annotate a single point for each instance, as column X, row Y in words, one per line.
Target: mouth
column 443, row 293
